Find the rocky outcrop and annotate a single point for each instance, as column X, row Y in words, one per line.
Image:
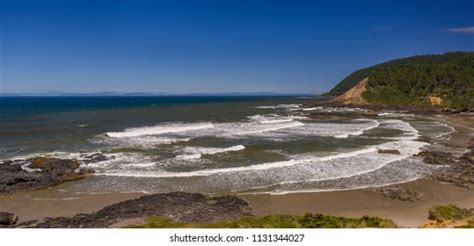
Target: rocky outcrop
column 94, row 158
column 7, row 219
column 436, row 157
column 388, row 151
column 400, row 193
column 179, row 206
column 37, row 173
column 457, row 170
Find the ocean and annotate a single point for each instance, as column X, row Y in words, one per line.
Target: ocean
column 216, row 144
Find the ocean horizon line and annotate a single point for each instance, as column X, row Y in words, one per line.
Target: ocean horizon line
column 144, row 94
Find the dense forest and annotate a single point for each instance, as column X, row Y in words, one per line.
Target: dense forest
column 410, row 81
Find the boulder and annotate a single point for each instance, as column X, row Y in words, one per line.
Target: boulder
column 53, row 165
column 458, row 171
column 436, row 157
column 400, row 193
column 388, row 151
column 37, row 173
column 7, row 219
column 469, row 156
column 94, row 158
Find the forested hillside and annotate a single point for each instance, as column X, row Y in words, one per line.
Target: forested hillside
column 411, row 81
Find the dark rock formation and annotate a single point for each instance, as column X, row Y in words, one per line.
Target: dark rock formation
column 53, row 165
column 458, row 171
column 436, row 157
column 37, row 173
column 179, row 206
column 469, row 155
column 400, row 193
column 388, row 151
column 94, row 158
column 7, row 219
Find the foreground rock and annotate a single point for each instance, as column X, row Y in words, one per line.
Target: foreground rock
column 7, row 219
column 436, row 157
column 178, row 206
column 400, row 193
column 37, row 173
column 456, row 170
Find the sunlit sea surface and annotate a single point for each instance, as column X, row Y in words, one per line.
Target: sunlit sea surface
column 216, row 144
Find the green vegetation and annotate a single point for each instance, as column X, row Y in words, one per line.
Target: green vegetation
column 279, row 221
column 449, row 212
column 469, row 224
column 410, row 81
column 452, row 216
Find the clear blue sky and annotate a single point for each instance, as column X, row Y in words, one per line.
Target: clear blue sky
column 216, row 46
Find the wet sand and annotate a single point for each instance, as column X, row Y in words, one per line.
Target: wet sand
column 57, row 201
column 54, row 202
column 356, row 203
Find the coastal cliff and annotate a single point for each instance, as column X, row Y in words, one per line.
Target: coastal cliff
column 353, row 95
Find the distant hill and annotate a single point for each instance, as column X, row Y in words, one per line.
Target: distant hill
column 445, row 80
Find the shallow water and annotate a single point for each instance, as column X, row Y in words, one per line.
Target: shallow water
column 217, row 144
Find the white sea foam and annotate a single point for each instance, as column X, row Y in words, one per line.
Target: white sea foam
column 188, row 156
column 407, row 149
column 344, row 164
column 206, row 172
column 212, row 151
column 272, row 118
column 145, row 142
column 374, row 124
column 193, row 153
column 197, row 152
column 293, row 174
column 311, row 109
column 410, row 132
column 160, row 129
column 281, row 106
column 297, row 117
column 271, row 126
column 30, row 170
column 451, row 130
column 297, row 168
column 337, row 109
column 266, row 107
column 395, row 114
column 275, row 121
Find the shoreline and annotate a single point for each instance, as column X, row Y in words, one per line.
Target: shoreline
column 56, row 202
column 357, row 203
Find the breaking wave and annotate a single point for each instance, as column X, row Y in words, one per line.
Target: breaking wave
column 156, row 130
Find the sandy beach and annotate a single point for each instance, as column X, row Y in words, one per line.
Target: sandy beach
column 352, row 203
column 57, row 201
column 356, row 203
